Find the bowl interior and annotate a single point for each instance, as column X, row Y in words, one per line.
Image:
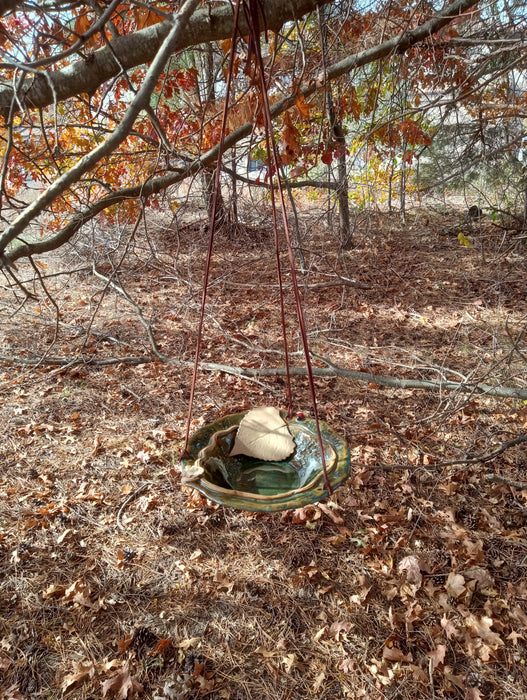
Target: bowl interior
column 254, row 476
column 251, row 484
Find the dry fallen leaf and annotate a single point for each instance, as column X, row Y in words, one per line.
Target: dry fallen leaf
column 83, row 670
column 456, row 680
column 11, row 693
column 451, row 630
column 330, row 513
column 337, row 628
column 186, row 644
column 122, row 685
column 481, row 628
column 481, row 575
column 290, row 662
column 222, row 582
column 264, row 434
column 347, row 665
column 519, row 615
column 318, row 682
column 411, row 565
column 455, row 585
column 391, row 653
column 266, row 653
column 437, row 655
column 79, row 592
column 53, row 591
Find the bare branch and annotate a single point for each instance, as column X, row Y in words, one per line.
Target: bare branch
column 507, row 392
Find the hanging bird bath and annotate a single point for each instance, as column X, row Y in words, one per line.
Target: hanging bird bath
column 249, row 483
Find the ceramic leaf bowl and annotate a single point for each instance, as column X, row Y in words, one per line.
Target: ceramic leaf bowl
column 248, row 483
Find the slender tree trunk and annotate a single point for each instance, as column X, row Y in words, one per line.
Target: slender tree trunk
column 403, row 162
column 234, row 207
column 390, row 186
column 208, row 172
column 342, row 190
column 403, row 191
column 525, row 202
column 340, row 138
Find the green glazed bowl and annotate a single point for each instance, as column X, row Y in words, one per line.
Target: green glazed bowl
column 247, row 483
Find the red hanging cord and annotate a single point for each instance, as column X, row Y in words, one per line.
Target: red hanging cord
column 252, row 15
column 251, row 9
column 289, row 393
column 212, row 228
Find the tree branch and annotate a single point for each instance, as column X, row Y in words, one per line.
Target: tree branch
column 153, row 186
column 332, row 370
column 85, row 164
column 141, row 47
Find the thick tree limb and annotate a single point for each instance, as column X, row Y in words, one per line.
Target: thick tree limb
column 9, row 5
column 206, row 25
column 140, row 47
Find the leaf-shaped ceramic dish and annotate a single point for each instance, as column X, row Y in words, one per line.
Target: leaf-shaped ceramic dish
column 251, row 484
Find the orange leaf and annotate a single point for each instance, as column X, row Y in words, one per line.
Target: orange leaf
column 290, row 141
column 303, row 106
column 146, row 18
column 82, row 24
column 125, row 642
column 356, row 108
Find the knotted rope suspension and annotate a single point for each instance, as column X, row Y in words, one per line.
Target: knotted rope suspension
column 252, row 11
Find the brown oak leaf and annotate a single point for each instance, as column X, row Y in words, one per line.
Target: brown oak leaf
column 122, row 685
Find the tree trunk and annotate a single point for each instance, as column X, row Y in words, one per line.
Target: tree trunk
column 342, row 190
column 340, row 138
column 222, row 215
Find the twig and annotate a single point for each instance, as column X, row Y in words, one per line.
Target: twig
column 520, row 485
column 431, row 676
column 343, row 282
column 126, row 390
column 130, row 498
column 451, row 463
column 146, row 325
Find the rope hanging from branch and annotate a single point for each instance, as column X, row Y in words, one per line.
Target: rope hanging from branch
column 252, row 11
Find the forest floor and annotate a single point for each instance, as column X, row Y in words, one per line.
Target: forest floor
column 409, row 582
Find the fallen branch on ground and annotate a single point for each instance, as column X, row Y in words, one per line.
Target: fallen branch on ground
column 521, row 485
column 506, row 392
